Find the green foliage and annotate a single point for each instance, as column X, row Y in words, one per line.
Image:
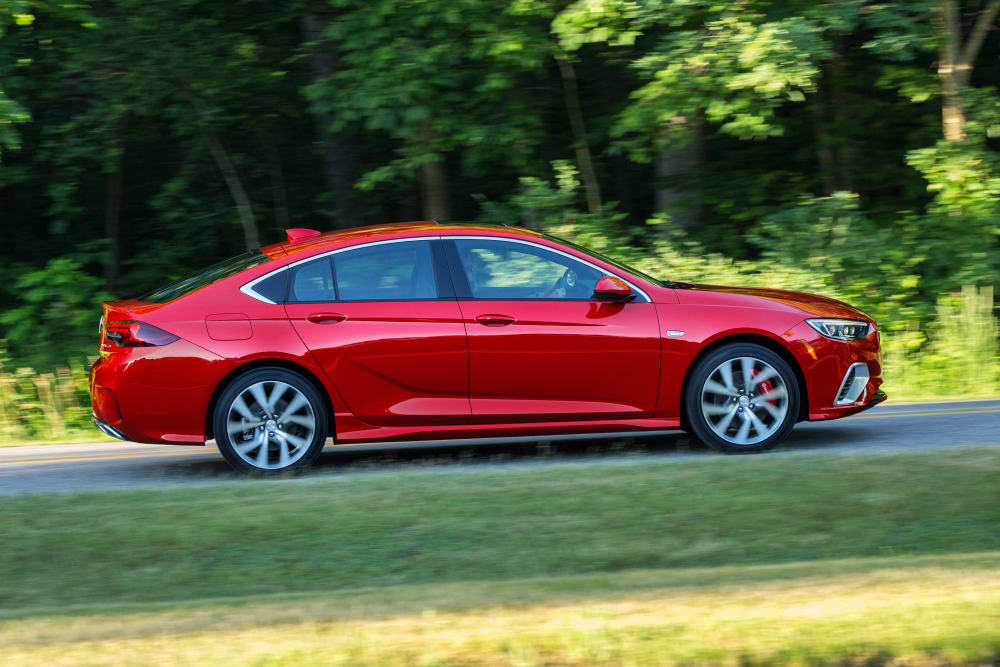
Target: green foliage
column 58, row 309
column 11, row 14
column 43, row 406
column 436, row 76
column 797, row 142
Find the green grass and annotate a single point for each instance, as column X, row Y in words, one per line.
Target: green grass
column 381, row 529
column 914, row 610
column 801, row 559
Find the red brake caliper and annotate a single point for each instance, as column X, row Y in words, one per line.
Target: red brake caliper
column 765, row 389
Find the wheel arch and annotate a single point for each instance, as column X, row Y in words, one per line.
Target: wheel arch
column 757, row 339
column 269, row 362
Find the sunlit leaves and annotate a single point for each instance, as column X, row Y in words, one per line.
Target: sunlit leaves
column 435, row 76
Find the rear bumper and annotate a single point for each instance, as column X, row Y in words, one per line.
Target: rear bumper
column 154, row 394
column 108, row 429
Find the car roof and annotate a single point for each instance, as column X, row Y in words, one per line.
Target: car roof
column 354, row 235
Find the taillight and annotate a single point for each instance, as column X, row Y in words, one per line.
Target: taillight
column 136, row 334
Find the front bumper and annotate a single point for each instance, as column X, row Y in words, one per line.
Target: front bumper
column 826, row 366
column 879, row 397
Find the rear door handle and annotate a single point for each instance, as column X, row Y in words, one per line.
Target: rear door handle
column 495, row 320
column 320, row 318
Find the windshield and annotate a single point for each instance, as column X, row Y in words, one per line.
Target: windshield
column 214, row 273
column 613, row 262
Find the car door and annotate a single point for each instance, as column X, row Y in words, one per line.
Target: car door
column 382, row 321
column 541, row 348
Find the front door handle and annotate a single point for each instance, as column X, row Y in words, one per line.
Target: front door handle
column 321, row 318
column 495, row 320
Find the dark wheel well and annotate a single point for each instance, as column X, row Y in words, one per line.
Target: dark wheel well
column 763, row 341
column 264, row 363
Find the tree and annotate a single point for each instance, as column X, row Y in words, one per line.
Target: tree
column 11, row 112
column 729, row 65
column 436, row 78
column 957, row 60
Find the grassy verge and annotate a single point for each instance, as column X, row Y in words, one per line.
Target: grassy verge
column 777, row 559
column 914, row 610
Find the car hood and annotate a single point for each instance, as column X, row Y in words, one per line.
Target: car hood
column 760, row 297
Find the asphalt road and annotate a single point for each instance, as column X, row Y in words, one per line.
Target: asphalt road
column 903, row 427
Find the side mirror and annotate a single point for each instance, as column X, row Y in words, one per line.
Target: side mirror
column 611, row 288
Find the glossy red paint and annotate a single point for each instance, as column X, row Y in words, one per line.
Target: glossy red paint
column 612, row 288
column 300, row 234
column 394, row 363
column 461, row 367
column 562, row 360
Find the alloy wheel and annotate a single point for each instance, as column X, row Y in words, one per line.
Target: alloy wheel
column 270, row 425
column 744, row 400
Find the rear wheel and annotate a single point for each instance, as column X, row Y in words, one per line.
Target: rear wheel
column 742, row 398
column 269, row 420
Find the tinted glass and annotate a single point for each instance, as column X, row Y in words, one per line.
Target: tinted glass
column 506, row 270
column 386, row 272
column 214, row 273
column 273, row 288
column 613, row 262
column 312, row 282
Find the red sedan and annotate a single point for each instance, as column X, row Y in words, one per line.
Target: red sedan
column 421, row 331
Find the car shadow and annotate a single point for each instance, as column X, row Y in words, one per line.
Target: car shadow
column 533, row 452
column 382, row 457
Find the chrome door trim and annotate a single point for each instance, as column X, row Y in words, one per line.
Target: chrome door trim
column 248, row 288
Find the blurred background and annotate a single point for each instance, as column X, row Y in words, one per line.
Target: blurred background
column 848, row 147
column 845, row 147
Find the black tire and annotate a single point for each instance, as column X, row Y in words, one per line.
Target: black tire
column 227, row 444
column 700, row 424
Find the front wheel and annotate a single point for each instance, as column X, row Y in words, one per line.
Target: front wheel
column 742, row 398
column 269, row 420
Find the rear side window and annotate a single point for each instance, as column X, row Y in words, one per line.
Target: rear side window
column 386, row 272
column 312, row 282
column 212, row 274
column 273, row 287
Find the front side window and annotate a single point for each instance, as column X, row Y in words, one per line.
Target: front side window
column 504, row 270
column 402, row 271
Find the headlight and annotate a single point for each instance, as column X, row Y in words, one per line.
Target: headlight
column 840, row 329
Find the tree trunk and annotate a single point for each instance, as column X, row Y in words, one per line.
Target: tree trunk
column 957, row 60
column 952, row 114
column 842, row 151
column 433, row 179
column 591, row 188
column 243, row 207
column 112, row 224
column 614, row 83
column 821, row 136
column 278, row 189
column 338, row 164
column 678, row 161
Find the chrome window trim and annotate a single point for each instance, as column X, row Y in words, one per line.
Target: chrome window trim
column 247, row 288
